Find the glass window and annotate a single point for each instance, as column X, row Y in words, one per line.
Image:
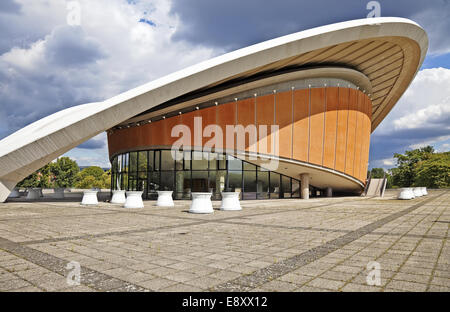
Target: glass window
column 157, row 160
column 142, row 161
column 125, row 181
column 274, row 185
column 167, row 161
column 115, row 164
column 141, row 185
column 249, row 166
column 234, row 181
column 211, row 172
column 187, row 160
column 133, row 162
column 222, row 161
column 295, row 188
column 262, row 187
column 153, row 183
column 286, row 187
column 199, row 181
column 132, row 179
column 167, row 180
column 151, row 161
column 179, row 160
column 199, row 162
column 125, row 162
column 212, row 161
column 234, row 163
column 249, row 185
column 183, row 184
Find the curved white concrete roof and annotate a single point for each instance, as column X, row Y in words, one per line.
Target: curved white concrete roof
column 391, row 48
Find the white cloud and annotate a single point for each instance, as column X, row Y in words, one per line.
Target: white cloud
column 56, row 65
column 421, row 117
column 426, row 103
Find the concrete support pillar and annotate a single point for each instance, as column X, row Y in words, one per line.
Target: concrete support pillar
column 6, row 187
column 304, row 178
column 329, row 192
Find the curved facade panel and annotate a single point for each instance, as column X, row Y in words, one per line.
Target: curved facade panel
column 327, row 127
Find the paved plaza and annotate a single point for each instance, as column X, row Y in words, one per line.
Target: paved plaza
column 321, row 244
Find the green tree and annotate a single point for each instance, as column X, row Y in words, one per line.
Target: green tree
column 404, row 175
column 377, row 173
column 64, row 171
column 434, row 172
column 42, row 177
column 93, row 177
column 106, row 177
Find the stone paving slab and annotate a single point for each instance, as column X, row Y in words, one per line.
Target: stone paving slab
column 322, row 244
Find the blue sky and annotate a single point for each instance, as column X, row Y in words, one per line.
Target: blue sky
column 47, row 65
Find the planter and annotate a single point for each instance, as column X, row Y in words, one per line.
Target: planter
column 165, row 199
column 58, row 192
column 118, row 197
column 134, row 200
column 406, row 193
column 89, row 198
column 15, row 193
column 230, row 201
column 417, row 192
column 34, row 193
column 201, row 203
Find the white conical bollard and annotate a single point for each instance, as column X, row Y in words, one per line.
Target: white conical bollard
column 201, row 203
column 417, row 192
column 405, row 193
column 165, row 199
column 230, row 201
column 89, row 198
column 33, row 193
column 118, row 197
column 134, row 200
column 14, row 194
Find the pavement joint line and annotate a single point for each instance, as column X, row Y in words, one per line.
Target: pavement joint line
column 89, row 277
column 287, row 227
column 411, row 252
column 264, row 275
column 390, row 246
column 437, row 259
column 87, row 236
column 197, row 222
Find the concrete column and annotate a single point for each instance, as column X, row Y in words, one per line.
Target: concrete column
column 304, row 180
column 329, row 192
column 6, row 187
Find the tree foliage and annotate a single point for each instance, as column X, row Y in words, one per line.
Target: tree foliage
column 434, row 172
column 422, row 167
column 93, row 177
column 64, row 171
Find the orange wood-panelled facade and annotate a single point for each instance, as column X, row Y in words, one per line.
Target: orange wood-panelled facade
column 328, row 127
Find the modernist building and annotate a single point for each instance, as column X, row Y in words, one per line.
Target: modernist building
column 326, row 89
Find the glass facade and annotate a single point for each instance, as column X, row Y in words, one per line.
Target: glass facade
column 157, row 170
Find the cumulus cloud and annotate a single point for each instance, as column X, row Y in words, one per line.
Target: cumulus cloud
column 47, row 65
column 420, row 118
column 236, row 23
